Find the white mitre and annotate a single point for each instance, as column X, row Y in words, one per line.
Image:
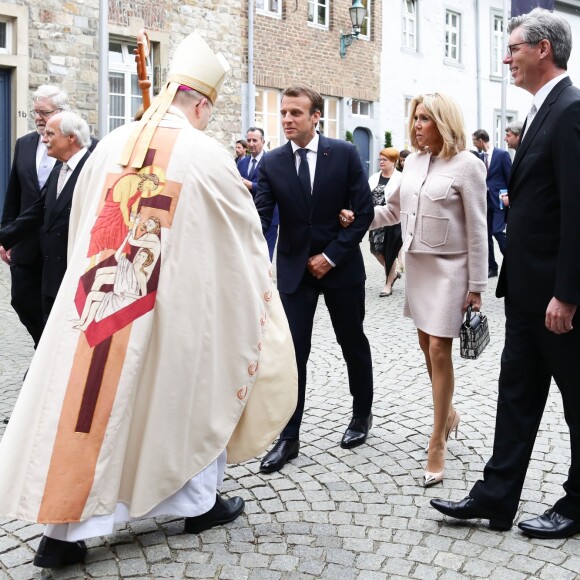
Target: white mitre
column 194, row 65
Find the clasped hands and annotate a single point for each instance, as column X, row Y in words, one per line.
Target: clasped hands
column 318, row 266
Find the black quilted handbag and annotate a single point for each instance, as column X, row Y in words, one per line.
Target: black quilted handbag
column 474, row 334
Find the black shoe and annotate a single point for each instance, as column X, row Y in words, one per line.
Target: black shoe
column 53, row 553
column 469, row 509
column 6, row 421
column 491, row 273
column 279, row 455
column 357, row 432
column 550, row 525
column 223, row 511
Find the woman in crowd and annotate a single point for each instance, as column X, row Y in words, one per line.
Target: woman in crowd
column 441, row 204
column 386, row 241
column 402, row 156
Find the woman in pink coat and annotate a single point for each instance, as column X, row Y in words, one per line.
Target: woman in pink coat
column 441, row 204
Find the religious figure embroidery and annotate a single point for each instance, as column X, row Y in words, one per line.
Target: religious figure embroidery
column 122, row 203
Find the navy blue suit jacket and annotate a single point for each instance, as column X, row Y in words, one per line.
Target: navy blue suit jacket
column 309, row 224
column 498, row 176
column 243, row 165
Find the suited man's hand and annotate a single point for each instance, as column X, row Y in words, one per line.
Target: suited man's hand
column 345, row 217
column 247, row 183
column 559, row 316
column 5, row 255
column 318, row 266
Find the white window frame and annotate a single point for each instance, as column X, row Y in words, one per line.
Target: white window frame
column 358, row 107
column 510, row 117
column 367, row 21
column 8, row 48
column 409, row 25
column 497, row 50
column 313, row 7
column 326, row 117
column 263, row 113
column 128, row 69
column 271, row 8
column 452, row 37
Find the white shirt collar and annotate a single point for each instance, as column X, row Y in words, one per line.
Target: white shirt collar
column 543, row 93
column 312, row 146
column 74, row 160
column 258, row 157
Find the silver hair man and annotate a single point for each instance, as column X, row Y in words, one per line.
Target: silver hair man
column 540, row 24
column 73, row 124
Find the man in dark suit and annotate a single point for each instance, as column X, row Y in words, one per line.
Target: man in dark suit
column 312, row 178
column 498, row 163
column 31, row 167
column 67, row 139
column 540, row 280
column 248, row 168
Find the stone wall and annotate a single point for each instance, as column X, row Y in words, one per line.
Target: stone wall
column 63, row 47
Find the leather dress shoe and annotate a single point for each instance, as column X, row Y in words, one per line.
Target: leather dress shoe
column 469, row 509
column 53, row 553
column 550, row 525
column 279, row 455
column 357, row 432
column 223, row 511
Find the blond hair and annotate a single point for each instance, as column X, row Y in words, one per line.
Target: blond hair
column 448, row 118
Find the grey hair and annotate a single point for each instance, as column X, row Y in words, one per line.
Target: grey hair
column 73, row 124
column 515, row 127
column 540, row 24
column 57, row 97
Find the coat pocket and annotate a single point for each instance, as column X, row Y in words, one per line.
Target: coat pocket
column 438, row 186
column 434, row 230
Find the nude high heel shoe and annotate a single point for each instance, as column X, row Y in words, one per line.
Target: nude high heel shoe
column 430, row 478
column 433, row 477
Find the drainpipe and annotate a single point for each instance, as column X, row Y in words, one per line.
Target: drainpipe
column 103, row 87
column 478, row 64
column 504, row 78
column 248, row 120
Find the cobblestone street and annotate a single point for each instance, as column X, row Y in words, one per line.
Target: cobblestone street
column 335, row 513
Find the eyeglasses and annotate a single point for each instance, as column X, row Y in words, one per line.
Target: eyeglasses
column 510, row 48
column 43, row 114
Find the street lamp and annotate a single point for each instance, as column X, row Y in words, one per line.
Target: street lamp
column 357, row 15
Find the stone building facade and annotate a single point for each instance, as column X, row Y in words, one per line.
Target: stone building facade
column 298, row 41
column 56, row 42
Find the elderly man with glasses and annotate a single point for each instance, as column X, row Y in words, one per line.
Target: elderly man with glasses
column 30, row 170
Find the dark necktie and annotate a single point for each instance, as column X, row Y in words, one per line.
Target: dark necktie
column 252, row 168
column 486, row 160
column 304, row 172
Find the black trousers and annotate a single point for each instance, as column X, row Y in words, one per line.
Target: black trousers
column 532, row 355
column 346, row 307
column 496, row 221
column 26, row 297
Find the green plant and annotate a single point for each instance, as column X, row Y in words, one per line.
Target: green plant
column 388, row 139
column 349, row 137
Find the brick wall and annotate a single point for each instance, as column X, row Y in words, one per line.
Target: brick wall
column 287, row 50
